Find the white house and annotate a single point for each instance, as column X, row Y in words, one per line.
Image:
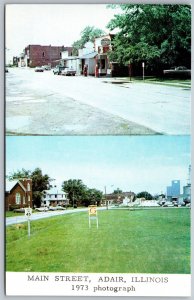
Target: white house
column 54, row 197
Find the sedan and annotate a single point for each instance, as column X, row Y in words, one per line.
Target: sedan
column 39, row 69
column 178, row 72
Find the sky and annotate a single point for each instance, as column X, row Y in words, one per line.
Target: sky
column 130, row 163
column 55, row 24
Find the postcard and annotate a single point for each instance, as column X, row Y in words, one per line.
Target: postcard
column 98, row 150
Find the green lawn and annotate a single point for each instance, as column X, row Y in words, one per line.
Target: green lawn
column 182, row 83
column 138, row 241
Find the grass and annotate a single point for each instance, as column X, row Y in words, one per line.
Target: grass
column 139, row 241
column 183, row 83
column 13, row 214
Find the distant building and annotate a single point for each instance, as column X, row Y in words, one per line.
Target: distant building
column 37, row 55
column 54, row 197
column 120, row 198
column 18, row 194
column 173, row 191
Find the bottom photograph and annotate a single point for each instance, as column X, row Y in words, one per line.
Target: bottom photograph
column 98, row 215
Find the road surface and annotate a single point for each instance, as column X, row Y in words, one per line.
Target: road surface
column 47, row 104
column 17, row 219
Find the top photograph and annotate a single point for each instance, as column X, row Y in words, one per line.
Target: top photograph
column 97, row 69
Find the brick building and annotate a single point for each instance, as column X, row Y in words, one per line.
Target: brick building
column 18, row 193
column 37, row 55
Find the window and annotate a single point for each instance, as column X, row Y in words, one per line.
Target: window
column 102, row 64
column 28, row 187
column 28, row 199
column 18, row 198
column 55, row 196
column 24, row 199
column 43, row 54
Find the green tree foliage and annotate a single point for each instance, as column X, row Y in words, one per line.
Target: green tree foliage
column 75, row 190
column 89, row 33
column 117, row 191
column 40, row 182
column 145, row 195
column 160, row 35
column 80, row 194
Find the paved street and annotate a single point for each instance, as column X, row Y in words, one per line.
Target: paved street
column 43, row 103
column 17, row 219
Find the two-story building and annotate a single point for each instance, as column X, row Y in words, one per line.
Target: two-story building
column 54, row 197
column 38, row 55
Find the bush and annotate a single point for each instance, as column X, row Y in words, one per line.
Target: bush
column 15, row 206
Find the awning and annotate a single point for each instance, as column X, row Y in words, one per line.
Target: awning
column 89, row 55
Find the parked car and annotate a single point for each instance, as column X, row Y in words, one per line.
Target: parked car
column 19, row 210
column 59, row 207
column 41, row 209
column 39, row 69
column 47, row 67
column 180, row 71
column 68, row 72
column 52, row 208
column 168, row 204
column 57, row 70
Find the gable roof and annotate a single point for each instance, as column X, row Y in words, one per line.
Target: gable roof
column 11, row 184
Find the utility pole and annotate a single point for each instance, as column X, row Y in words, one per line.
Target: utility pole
column 105, row 197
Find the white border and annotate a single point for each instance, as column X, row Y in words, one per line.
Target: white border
column 90, row 284
column 2, row 3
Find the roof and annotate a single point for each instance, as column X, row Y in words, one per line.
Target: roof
column 11, row 184
column 89, row 55
column 55, row 191
column 70, row 58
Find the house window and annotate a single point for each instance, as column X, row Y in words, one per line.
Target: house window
column 43, row 54
column 18, row 198
column 55, row 196
column 28, row 198
column 24, row 199
column 28, row 187
column 60, row 54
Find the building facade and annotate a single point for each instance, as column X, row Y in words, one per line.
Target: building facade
column 18, row 194
column 173, row 191
column 54, row 197
column 37, row 55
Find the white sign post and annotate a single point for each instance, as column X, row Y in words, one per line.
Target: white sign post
column 143, row 66
column 28, row 213
column 93, row 214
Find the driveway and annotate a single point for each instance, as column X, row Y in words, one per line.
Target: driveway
column 43, row 103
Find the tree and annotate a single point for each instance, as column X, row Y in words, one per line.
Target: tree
column 159, row 35
column 75, row 190
column 89, row 33
column 145, row 195
column 94, row 197
column 40, row 182
column 117, row 191
column 80, row 194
